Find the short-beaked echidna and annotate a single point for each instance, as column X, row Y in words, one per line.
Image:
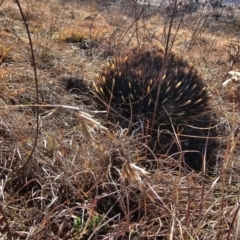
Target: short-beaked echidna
column 127, row 87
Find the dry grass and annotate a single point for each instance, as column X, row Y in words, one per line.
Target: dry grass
column 82, row 181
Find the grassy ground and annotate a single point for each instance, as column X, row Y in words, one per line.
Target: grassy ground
column 70, row 181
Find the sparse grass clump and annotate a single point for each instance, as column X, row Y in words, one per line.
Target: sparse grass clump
column 73, row 36
column 5, row 54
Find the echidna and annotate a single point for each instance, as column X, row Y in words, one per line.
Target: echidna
column 127, row 87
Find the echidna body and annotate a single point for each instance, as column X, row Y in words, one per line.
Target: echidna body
column 127, row 87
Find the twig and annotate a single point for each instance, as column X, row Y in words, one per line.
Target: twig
column 36, row 85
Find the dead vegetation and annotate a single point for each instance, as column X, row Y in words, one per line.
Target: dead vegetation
column 63, row 174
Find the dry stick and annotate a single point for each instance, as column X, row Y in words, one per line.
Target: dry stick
column 200, row 205
column 91, row 25
column 162, row 72
column 136, row 25
column 51, row 27
column 198, row 29
column 232, row 222
column 203, row 180
column 174, row 37
column 136, row 19
column 227, row 158
column 36, row 85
